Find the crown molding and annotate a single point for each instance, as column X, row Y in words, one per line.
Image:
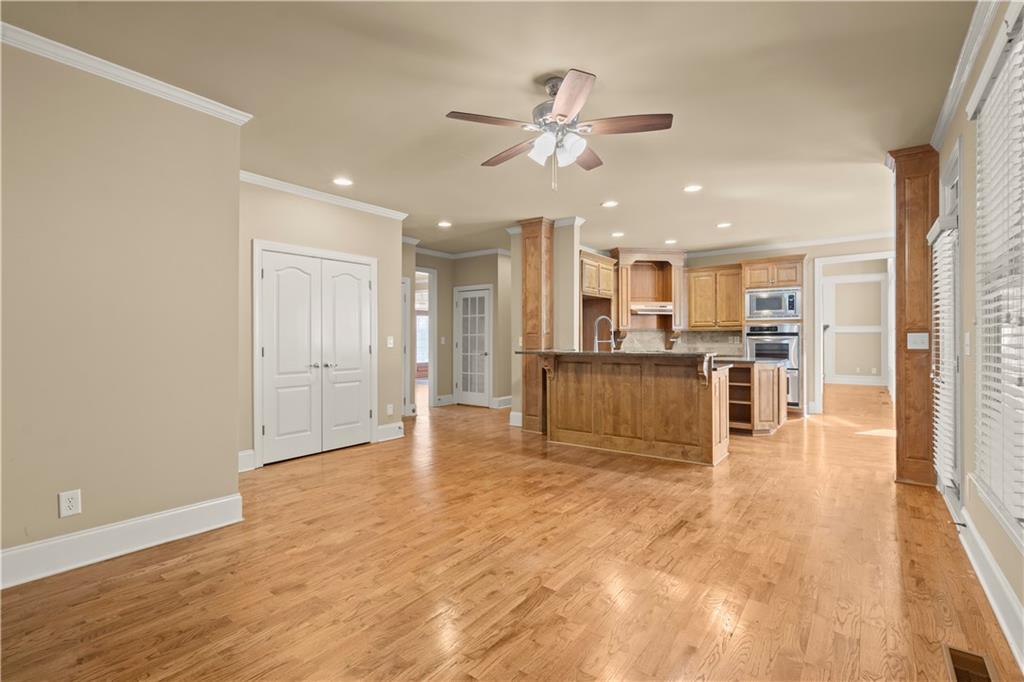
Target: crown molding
column 410, row 240
column 981, row 22
column 317, row 195
column 69, row 56
column 570, row 221
column 778, row 246
column 596, row 252
column 465, row 254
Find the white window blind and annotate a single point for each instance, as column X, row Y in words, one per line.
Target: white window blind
column 944, row 370
column 999, row 427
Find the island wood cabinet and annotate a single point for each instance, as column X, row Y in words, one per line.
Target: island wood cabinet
column 757, row 397
column 597, row 274
column 769, row 273
column 716, row 298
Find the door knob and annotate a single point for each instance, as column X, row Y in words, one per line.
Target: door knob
column 315, row 365
column 485, row 354
column 329, row 365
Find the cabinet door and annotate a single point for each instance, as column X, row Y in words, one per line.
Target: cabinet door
column 765, row 394
column 758, row 276
column 624, row 295
column 606, row 280
column 787, row 274
column 723, row 408
column 679, row 305
column 729, row 298
column 702, row 300
column 590, row 277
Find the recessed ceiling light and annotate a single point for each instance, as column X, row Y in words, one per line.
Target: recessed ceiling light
column 444, row 224
column 670, row 241
column 611, row 203
column 618, row 234
column 723, row 225
column 692, row 188
column 343, row 182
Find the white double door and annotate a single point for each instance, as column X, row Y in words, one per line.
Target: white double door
column 472, row 346
column 315, row 326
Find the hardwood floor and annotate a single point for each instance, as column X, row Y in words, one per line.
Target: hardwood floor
column 472, row 550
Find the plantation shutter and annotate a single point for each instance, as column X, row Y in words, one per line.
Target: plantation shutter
column 944, row 360
column 999, row 427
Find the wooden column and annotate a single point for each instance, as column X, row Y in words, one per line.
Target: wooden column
column 917, row 207
column 538, row 316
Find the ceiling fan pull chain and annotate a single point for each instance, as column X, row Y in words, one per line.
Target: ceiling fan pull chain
column 554, row 173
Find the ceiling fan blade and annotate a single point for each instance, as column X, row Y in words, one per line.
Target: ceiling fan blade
column 641, row 123
column 589, row 160
column 572, row 94
column 510, row 153
column 491, row 120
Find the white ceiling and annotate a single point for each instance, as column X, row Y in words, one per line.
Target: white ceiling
column 783, row 111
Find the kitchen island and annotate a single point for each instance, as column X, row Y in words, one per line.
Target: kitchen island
column 656, row 404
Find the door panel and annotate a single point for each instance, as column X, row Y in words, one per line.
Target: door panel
column 702, row 300
column 472, row 347
column 290, row 334
column 729, row 298
column 346, row 354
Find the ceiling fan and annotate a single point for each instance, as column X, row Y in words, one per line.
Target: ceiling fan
column 562, row 136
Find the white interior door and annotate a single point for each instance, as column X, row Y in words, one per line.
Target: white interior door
column 290, row 336
column 346, row 354
column 472, row 346
column 854, row 334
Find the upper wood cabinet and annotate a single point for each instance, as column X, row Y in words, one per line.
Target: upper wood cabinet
column 775, row 272
column 651, row 276
column 597, row 274
column 716, row 298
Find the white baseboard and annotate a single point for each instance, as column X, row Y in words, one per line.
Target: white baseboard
column 389, row 431
column 1008, row 608
column 501, row 402
column 515, row 419
column 23, row 563
column 246, row 460
column 443, row 400
column 410, row 410
column 814, row 407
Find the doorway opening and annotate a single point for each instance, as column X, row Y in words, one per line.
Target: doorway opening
column 854, row 350
column 425, row 331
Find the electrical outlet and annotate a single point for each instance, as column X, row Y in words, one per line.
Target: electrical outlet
column 443, row 340
column 520, row 342
column 858, row 370
column 389, row 409
column 69, row 503
column 391, row 342
column 874, row 370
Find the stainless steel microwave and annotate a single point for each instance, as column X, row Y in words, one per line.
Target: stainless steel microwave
column 773, row 304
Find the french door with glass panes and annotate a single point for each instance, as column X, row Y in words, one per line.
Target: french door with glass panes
column 472, row 350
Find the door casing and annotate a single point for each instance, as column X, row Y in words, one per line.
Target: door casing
column 259, row 246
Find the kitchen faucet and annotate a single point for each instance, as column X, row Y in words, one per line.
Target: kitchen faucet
column 597, row 336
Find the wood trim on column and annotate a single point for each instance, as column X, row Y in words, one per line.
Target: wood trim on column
column 917, row 207
column 538, row 315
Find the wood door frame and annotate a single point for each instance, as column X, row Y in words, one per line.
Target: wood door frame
column 259, row 247
column 817, row 368
column 432, row 322
column 885, row 370
column 490, row 339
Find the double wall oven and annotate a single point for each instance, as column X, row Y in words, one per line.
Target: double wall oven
column 778, row 341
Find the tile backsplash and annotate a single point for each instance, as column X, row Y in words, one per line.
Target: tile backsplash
column 724, row 343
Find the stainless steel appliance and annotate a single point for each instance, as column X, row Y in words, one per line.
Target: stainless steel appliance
column 779, row 341
column 773, row 304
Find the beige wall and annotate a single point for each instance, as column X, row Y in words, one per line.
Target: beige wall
column 271, row 215
column 409, row 271
column 999, row 543
column 842, row 249
column 515, row 304
column 443, row 319
column 120, row 271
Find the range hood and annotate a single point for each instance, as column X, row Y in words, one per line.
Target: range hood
column 651, row 308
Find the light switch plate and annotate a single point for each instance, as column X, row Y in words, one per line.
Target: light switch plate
column 967, row 344
column 391, row 342
column 917, row 341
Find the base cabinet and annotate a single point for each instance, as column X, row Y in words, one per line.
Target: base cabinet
column 757, row 397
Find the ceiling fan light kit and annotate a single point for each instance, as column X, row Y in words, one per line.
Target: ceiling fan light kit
column 561, row 133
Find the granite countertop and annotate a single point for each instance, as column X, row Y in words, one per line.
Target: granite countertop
column 741, row 359
column 631, row 353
